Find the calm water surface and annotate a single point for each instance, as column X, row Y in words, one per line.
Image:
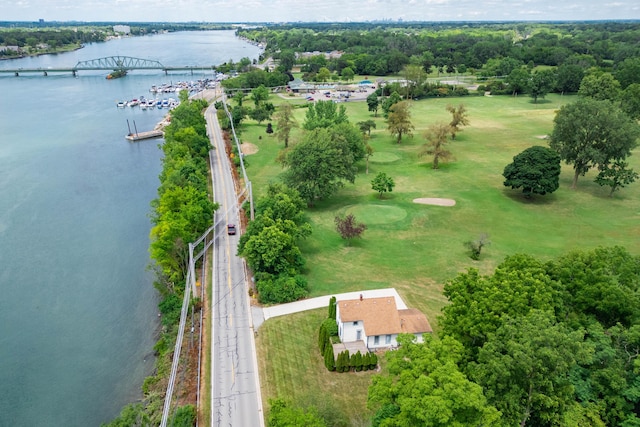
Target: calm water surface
column 78, row 312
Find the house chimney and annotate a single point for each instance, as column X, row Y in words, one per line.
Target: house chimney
column 360, row 297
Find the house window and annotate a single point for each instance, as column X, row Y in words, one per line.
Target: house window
column 355, row 323
column 387, row 339
column 376, row 340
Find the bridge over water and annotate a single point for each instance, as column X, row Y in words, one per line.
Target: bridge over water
column 110, row 63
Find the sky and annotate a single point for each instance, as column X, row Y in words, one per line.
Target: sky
column 316, row 10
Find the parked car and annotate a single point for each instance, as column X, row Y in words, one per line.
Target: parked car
column 231, row 229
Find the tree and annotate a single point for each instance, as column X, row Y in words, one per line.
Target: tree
column 347, row 74
column 323, row 74
column 478, row 304
column 368, row 153
column 536, row 170
column 475, row 246
column 373, row 103
column 262, row 112
column 285, row 122
column 349, row 228
column 272, row 251
column 458, row 119
column 628, row 72
column 399, row 120
column 389, row 102
column 437, row 137
column 518, row 80
column 415, row 76
column 599, row 86
column 591, row 133
column 616, row 176
column 332, row 308
column 541, row 83
column 323, row 114
column 382, row 183
column 525, row 368
column 329, row 357
column 281, row 289
column 424, row 387
column 366, row 126
column 319, row 165
column 569, row 78
column 259, row 95
column 630, row 101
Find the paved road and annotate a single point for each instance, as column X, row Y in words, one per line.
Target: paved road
column 235, row 391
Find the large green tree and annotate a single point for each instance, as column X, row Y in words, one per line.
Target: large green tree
column 590, row 133
column 373, row 103
column 600, row 86
column 319, row 165
column 323, row 114
column 536, row 170
column 478, row 303
column 525, row 368
column 425, row 388
column 541, row 83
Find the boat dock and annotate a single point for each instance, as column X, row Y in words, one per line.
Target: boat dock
column 139, row 136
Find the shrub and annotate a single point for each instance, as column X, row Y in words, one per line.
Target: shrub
column 281, row 289
column 329, row 361
column 331, row 327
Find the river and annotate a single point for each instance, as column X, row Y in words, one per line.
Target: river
column 78, row 311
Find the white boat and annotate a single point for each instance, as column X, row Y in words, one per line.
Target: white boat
column 133, row 103
column 143, row 105
column 121, row 104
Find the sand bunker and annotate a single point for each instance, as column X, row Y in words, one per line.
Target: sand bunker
column 542, row 136
column 435, row 201
column 248, row 148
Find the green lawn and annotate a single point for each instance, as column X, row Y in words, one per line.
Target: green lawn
column 291, row 367
column 417, row 248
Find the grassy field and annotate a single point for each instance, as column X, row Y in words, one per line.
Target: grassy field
column 417, row 248
column 291, row 367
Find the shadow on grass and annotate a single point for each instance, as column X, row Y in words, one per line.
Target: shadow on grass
column 536, row 199
column 540, row 101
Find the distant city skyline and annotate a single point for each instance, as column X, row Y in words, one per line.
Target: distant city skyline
column 316, row 11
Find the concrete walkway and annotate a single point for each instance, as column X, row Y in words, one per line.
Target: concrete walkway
column 260, row 314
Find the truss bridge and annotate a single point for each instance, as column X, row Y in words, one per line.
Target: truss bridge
column 110, row 63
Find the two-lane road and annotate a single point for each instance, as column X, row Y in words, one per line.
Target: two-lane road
column 235, row 394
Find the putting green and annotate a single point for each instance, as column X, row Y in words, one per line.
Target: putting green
column 383, row 157
column 377, row 214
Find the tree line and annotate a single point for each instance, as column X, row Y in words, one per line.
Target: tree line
column 180, row 214
column 535, row 343
column 376, row 49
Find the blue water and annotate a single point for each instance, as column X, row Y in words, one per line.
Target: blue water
column 78, row 312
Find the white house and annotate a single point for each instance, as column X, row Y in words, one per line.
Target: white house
column 377, row 322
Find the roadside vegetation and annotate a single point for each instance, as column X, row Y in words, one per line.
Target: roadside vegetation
column 180, row 214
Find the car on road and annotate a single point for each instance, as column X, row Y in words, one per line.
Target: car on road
column 231, row 229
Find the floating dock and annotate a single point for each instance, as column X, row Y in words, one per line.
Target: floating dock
column 139, row 136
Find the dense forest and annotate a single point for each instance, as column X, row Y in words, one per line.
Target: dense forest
column 376, row 49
